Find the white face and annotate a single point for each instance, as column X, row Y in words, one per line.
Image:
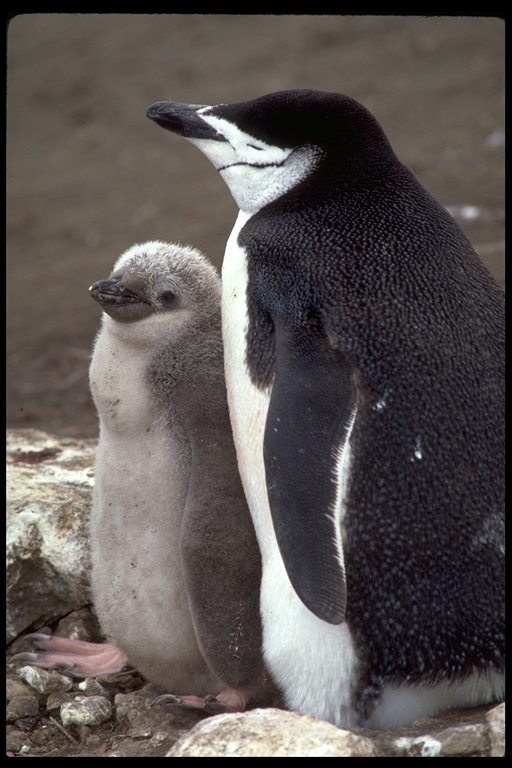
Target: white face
column 255, row 172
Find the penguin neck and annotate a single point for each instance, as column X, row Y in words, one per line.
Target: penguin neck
column 331, row 179
column 253, row 187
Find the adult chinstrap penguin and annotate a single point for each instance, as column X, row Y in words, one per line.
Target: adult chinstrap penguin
column 364, row 349
column 176, row 568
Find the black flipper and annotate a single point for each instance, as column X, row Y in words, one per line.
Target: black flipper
column 310, row 413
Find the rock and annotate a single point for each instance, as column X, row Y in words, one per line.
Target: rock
column 130, row 708
column 14, row 687
column 22, row 706
column 273, row 733
column 142, row 720
column 86, row 710
column 80, row 625
column 157, row 746
column 459, row 741
column 56, row 700
column 49, row 490
column 270, row 733
column 456, row 733
column 16, row 741
column 92, row 687
column 127, row 680
column 495, row 720
column 45, row 681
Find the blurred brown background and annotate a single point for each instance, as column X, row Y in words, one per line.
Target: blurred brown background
column 89, row 174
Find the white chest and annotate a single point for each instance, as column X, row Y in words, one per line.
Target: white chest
column 313, row 662
column 117, row 380
column 141, row 483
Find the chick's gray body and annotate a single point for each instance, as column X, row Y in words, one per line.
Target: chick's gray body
column 176, row 567
column 364, row 345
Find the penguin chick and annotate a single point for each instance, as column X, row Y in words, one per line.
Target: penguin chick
column 364, row 346
column 176, row 568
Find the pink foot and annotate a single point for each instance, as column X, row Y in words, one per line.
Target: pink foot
column 228, row 700
column 75, row 657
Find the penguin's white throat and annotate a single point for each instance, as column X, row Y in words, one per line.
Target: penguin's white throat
column 256, row 173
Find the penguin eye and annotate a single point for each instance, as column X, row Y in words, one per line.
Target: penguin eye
column 167, row 297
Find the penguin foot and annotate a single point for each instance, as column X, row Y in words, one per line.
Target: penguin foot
column 74, row 657
column 228, row 700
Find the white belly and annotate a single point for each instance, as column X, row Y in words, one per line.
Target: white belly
column 140, row 491
column 400, row 705
column 313, row 662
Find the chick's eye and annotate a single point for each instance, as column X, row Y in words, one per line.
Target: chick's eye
column 167, row 297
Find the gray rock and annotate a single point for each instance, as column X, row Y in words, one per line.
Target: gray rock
column 273, row 733
column 157, row 746
column 14, row 687
column 57, row 699
column 458, row 741
column 495, row 720
column 44, row 681
column 86, row 710
column 92, row 687
column 22, row 706
column 79, row 625
column 270, row 733
column 16, row 741
column 474, row 732
column 49, row 490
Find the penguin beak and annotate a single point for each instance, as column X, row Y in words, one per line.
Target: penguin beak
column 183, row 119
column 111, row 292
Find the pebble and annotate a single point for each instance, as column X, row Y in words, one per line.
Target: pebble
column 86, row 710
column 45, row 681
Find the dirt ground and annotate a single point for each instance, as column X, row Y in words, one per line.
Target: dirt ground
column 89, row 174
